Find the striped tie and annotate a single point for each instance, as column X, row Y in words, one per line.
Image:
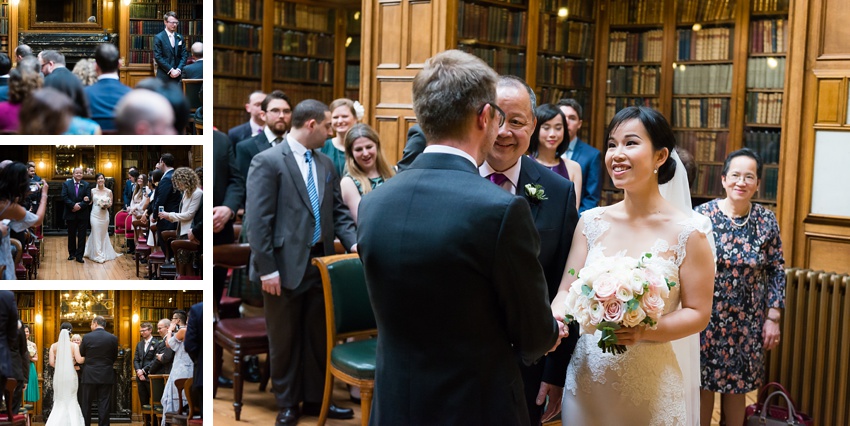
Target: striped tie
column 314, row 196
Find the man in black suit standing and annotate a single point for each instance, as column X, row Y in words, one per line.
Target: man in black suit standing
column 457, row 298
column 164, row 355
column 145, row 354
column 255, row 122
column 194, row 345
column 277, row 114
column 169, row 51
column 100, row 349
column 228, row 198
column 8, row 335
column 294, row 209
column 414, row 146
column 166, row 198
column 555, row 219
column 76, row 196
column 59, row 77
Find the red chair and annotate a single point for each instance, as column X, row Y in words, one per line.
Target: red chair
column 7, row 418
column 140, row 231
column 20, row 270
column 184, row 259
column 121, row 226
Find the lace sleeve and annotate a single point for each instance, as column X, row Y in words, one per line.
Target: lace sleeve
column 696, row 222
column 593, row 225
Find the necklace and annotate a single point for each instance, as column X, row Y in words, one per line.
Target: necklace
column 732, row 220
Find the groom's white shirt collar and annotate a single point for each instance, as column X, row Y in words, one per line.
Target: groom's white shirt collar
column 445, row 149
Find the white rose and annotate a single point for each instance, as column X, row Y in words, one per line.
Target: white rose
column 633, row 318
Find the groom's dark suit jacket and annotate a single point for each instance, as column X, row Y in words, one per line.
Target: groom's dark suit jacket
column 142, row 358
column 70, row 196
column 453, row 277
column 100, row 348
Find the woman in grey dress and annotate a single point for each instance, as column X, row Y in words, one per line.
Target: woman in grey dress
column 182, row 367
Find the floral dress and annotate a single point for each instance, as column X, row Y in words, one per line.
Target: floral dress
column 750, row 279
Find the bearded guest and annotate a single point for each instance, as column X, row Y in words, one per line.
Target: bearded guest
column 277, row 114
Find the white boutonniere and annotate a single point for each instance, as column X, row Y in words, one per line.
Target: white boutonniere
column 535, row 193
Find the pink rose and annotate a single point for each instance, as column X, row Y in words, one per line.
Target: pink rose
column 652, row 303
column 614, row 310
column 606, row 286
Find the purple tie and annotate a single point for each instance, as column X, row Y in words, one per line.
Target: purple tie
column 497, row 178
column 77, row 191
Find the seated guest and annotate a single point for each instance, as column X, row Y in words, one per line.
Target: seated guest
column 46, row 112
column 174, row 95
column 195, row 69
column 185, row 180
column 22, row 51
column 23, row 81
column 84, row 70
column 143, row 112
column 105, row 94
column 367, row 168
column 81, row 124
column 5, row 67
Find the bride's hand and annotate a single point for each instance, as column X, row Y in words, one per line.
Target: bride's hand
column 629, row 335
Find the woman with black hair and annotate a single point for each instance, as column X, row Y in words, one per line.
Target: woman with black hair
column 98, row 246
column 14, row 187
column 547, row 145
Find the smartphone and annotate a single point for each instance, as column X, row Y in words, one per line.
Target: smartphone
column 161, row 209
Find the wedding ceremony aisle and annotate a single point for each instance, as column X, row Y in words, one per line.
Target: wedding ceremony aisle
column 56, row 266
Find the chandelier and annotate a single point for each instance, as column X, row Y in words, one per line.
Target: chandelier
column 85, row 305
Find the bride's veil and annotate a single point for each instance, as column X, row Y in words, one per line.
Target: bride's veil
column 678, row 193
column 64, row 376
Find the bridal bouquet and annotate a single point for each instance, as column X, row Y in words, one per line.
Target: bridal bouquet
column 617, row 292
column 103, row 203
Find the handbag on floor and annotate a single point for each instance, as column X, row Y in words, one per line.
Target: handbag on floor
column 765, row 413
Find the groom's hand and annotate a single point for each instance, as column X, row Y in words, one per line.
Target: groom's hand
column 272, row 286
column 141, row 374
column 563, row 330
column 555, row 394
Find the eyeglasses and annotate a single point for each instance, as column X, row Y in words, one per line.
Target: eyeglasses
column 276, row 111
column 737, row 177
column 173, row 22
column 495, row 107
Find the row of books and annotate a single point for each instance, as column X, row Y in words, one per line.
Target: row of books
column 352, row 76
column 564, row 71
column 634, row 80
column 765, row 73
column 707, row 44
column 238, row 35
column 769, row 185
column 25, row 299
column 192, row 297
column 233, row 91
column 141, row 42
column 318, row 71
column 492, row 24
column 288, row 41
column 632, row 47
column 146, row 27
column 581, row 8
column 155, row 314
column 769, row 36
column 159, row 298
column 352, row 51
column 636, row 12
column 552, row 95
column 770, row 5
column 703, row 146
column 239, row 9
column 705, row 11
column 613, row 104
column 27, row 316
column 237, row 62
column 764, row 108
column 704, row 113
column 186, row 11
column 303, row 16
column 141, row 57
column 764, row 143
column 708, row 181
column 226, row 119
column 702, row 79
column 505, row 62
column 149, row 10
column 557, row 35
column 4, row 10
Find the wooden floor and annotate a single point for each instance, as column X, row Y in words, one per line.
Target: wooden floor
column 56, row 266
column 258, row 408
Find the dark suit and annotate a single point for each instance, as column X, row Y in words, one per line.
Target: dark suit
column 194, row 345
column 590, row 160
column 141, row 359
column 228, row 190
column 78, row 222
column 555, row 220
column 414, row 146
column 103, row 96
column 161, row 367
column 21, row 365
column 194, row 70
column 457, row 297
column 128, row 192
column 100, row 348
column 167, row 57
column 281, row 229
column 170, row 199
column 63, row 80
column 8, row 333
column 247, row 149
column 239, row 133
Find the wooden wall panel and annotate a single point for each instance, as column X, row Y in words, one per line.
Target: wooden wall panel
column 394, row 93
column 835, row 31
column 419, row 36
column 828, row 106
column 829, row 254
column 388, row 127
column 389, row 35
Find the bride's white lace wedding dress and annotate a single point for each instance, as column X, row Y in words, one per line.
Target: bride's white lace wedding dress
column 98, row 246
column 66, row 410
column 643, row 386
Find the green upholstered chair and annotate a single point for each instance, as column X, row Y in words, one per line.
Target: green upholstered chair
column 348, row 314
column 157, row 388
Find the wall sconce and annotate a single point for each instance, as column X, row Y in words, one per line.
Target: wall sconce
column 127, row 2
column 135, row 318
column 15, row 2
column 108, row 164
column 38, row 318
column 41, row 164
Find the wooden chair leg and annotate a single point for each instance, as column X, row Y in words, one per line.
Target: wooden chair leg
column 237, row 382
column 326, row 397
column 218, row 354
column 365, row 405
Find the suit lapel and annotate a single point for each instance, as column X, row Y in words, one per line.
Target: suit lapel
column 295, row 173
column 528, row 174
column 262, row 142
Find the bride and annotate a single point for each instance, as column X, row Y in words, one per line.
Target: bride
column 645, row 385
column 63, row 354
column 98, row 246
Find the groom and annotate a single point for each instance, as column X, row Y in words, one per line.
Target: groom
column 100, row 348
column 76, row 194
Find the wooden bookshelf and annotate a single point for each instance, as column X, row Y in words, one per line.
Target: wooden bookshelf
column 296, row 46
column 156, row 305
column 5, row 14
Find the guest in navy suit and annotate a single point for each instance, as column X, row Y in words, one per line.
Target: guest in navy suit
column 588, row 157
column 255, row 124
column 5, row 67
column 105, row 94
column 195, row 70
column 167, row 198
column 194, row 345
column 555, row 219
column 277, row 114
column 169, row 51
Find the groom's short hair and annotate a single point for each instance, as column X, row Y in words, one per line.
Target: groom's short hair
column 146, row 325
column 99, row 320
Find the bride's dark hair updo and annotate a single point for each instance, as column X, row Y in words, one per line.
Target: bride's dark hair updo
column 66, row 326
column 657, row 128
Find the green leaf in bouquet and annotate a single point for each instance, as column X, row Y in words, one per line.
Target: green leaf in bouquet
column 572, row 272
column 631, row 305
column 586, row 291
column 670, row 284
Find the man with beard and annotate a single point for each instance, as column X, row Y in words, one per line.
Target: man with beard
column 277, row 114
